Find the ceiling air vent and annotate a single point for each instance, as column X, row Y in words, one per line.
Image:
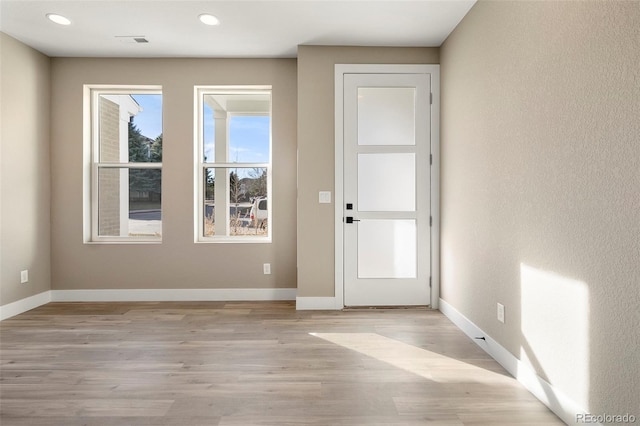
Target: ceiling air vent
column 132, row 39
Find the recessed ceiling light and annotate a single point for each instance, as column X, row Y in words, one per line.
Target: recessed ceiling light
column 207, row 19
column 58, row 19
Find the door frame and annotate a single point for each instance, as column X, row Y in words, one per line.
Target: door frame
column 434, row 202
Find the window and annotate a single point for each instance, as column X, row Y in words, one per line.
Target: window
column 233, row 164
column 126, row 164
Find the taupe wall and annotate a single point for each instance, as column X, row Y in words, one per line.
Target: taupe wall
column 541, row 189
column 24, row 170
column 177, row 262
column 316, row 139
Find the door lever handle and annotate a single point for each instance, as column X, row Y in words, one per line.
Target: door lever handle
column 350, row 219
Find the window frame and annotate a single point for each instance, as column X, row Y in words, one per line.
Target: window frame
column 92, row 95
column 201, row 166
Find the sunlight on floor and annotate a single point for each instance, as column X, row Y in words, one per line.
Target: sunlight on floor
column 422, row 362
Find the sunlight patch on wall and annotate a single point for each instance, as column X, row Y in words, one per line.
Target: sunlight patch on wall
column 424, row 363
column 555, row 329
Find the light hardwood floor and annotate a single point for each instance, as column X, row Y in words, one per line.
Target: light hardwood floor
column 261, row 363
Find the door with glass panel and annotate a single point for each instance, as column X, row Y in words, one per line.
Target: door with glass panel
column 386, row 189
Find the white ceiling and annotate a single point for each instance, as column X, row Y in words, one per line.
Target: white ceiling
column 258, row 28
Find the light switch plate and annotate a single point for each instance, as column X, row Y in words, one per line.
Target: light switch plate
column 324, row 197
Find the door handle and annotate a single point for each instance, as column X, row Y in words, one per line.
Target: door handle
column 350, row 219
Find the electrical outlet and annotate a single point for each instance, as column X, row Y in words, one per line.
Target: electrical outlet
column 24, row 276
column 266, row 268
column 501, row 312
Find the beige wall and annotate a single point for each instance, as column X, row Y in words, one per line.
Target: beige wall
column 541, row 189
column 177, row 262
column 24, row 170
column 316, row 139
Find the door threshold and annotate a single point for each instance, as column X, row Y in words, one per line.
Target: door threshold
column 388, row 308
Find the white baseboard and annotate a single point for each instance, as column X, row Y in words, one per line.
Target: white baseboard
column 316, row 303
column 23, row 305
column 174, row 295
column 556, row 400
column 167, row 295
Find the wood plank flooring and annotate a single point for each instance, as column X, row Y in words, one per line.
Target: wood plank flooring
column 243, row 364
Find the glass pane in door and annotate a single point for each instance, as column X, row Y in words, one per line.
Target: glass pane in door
column 387, row 182
column 386, row 115
column 387, row 248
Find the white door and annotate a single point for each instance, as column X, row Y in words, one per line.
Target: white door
column 386, row 189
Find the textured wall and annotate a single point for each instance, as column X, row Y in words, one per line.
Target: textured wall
column 541, row 189
column 24, row 170
column 177, row 262
column 316, row 141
